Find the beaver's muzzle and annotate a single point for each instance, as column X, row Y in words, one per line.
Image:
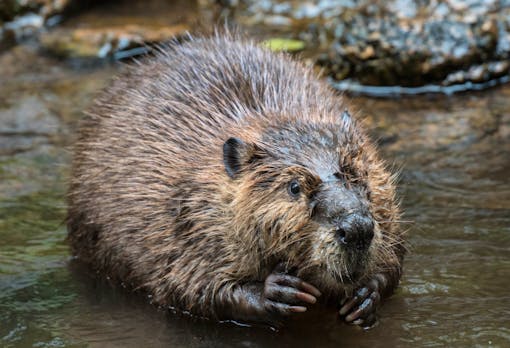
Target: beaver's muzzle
column 347, row 212
column 355, row 231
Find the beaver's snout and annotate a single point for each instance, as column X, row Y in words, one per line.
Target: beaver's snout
column 347, row 211
column 355, row 230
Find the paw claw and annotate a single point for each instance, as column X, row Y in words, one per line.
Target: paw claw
column 285, row 294
column 358, row 322
column 360, row 309
column 306, row 297
column 298, row 309
column 348, row 306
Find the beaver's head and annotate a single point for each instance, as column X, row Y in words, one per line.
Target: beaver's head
column 313, row 194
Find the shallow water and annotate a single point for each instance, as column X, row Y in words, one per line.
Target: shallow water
column 454, row 157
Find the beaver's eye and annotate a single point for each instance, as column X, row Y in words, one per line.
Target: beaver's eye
column 294, row 188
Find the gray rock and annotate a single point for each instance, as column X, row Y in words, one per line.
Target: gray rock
column 395, row 42
column 21, row 19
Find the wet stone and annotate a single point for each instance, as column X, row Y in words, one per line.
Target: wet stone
column 106, row 42
column 26, row 124
column 393, row 43
column 28, row 116
column 118, row 29
column 9, row 9
column 22, row 19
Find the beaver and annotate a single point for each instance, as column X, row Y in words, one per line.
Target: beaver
column 231, row 183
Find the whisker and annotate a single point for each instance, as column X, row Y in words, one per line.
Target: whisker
column 397, row 221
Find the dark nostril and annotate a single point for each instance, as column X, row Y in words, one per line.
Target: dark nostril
column 342, row 235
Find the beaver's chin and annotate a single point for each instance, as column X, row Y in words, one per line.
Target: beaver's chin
column 330, row 279
column 353, row 273
column 352, row 277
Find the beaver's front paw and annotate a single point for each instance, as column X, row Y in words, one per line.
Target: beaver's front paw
column 285, row 294
column 361, row 308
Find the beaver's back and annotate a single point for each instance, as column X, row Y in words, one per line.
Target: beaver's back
column 191, row 94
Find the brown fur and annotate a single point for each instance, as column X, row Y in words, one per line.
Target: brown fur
column 151, row 204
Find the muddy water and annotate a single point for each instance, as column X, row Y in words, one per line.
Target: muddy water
column 454, row 157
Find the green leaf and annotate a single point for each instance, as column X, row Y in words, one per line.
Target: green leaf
column 281, row 44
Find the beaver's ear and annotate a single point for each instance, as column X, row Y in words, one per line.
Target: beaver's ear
column 237, row 153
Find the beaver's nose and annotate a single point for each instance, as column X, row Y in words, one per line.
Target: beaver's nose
column 355, row 231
